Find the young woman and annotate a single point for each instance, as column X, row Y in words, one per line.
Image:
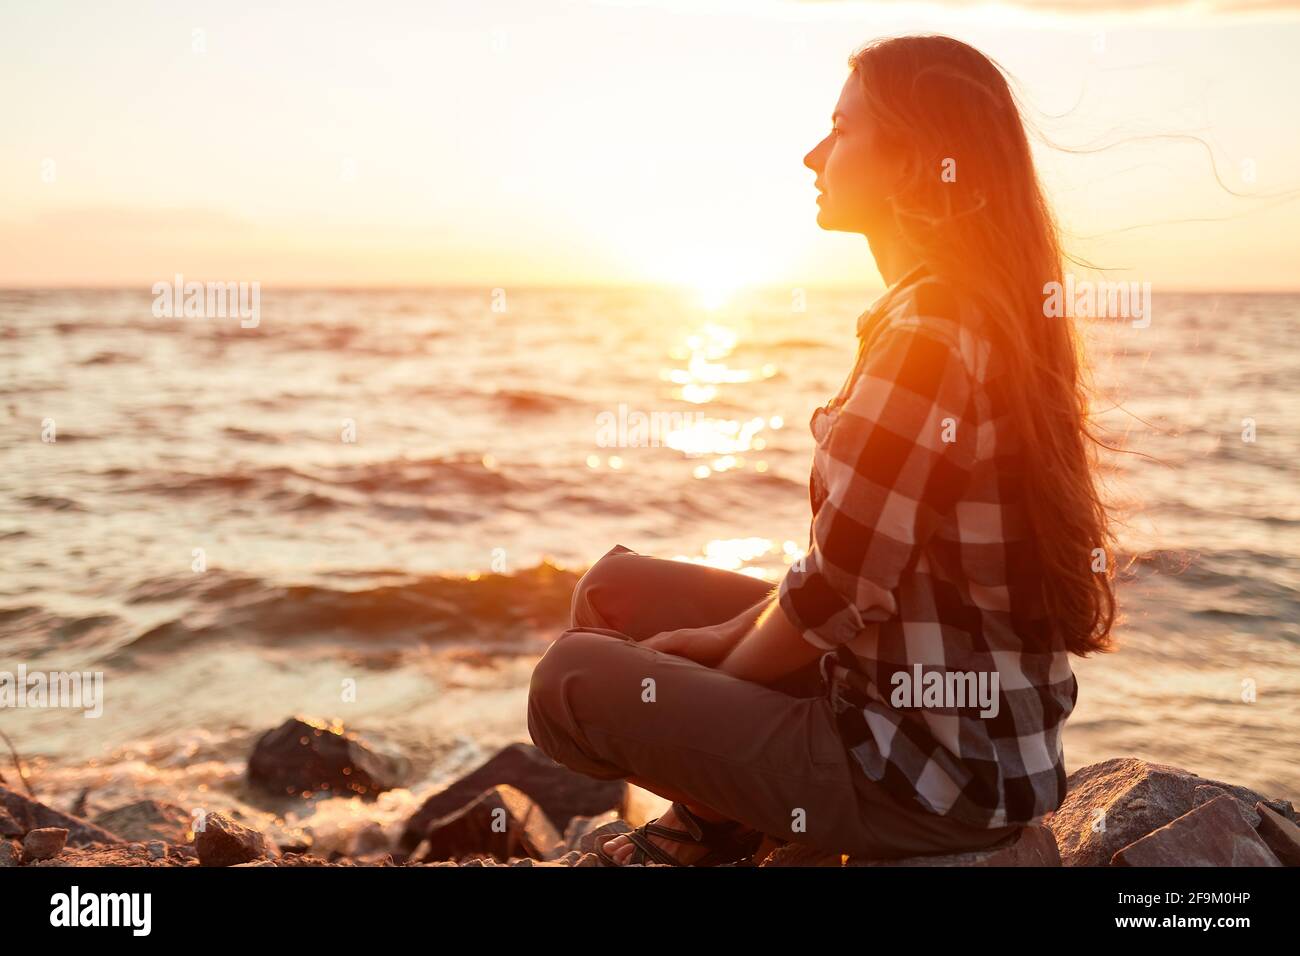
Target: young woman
column 903, row 689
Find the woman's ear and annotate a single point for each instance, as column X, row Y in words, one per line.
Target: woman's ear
column 907, row 171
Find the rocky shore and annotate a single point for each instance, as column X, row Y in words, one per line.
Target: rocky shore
column 520, row 808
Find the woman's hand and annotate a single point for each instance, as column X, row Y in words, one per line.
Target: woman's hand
column 705, row 645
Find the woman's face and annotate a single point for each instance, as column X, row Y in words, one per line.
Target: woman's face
column 855, row 174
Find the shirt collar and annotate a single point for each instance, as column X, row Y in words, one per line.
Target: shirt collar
column 878, row 304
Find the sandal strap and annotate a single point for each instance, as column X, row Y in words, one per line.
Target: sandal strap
column 727, row 840
column 645, row 849
column 671, row 833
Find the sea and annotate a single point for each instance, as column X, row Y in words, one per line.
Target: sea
column 371, row 507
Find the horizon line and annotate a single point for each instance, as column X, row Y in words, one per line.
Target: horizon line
column 586, row 287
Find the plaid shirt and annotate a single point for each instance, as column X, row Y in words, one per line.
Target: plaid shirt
column 920, row 565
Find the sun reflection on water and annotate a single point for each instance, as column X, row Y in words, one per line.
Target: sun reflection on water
column 737, row 554
column 731, row 554
column 703, row 352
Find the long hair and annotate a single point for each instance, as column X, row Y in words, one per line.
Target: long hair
column 971, row 205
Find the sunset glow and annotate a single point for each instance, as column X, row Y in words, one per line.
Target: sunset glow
column 594, row 143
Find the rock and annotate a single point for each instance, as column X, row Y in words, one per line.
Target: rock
column 1117, row 802
column 118, row 855
column 8, row 825
column 502, row 822
column 561, row 793
column 798, row 854
column 156, row 849
column 11, row 853
column 29, row 814
column 1033, row 845
column 1214, row 834
column 1281, row 835
column 304, row 756
column 1205, row 792
column 147, row 820
column 585, row 833
column 223, row 842
column 44, row 843
column 368, row 840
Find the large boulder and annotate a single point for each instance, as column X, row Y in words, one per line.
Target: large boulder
column 26, row 814
column 561, row 793
column 148, row 820
column 304, row 757
column 502, row 823
column 1032, row 845
column 1214, row 834
column 1111, row 804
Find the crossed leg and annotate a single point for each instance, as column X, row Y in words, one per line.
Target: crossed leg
column 626, row 597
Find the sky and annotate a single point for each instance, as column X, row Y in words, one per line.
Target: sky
column 574, row 142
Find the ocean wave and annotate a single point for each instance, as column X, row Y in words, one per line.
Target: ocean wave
column 51, row 502
column 523, row 400
column 1230, row 584
column 485, row 610
column 109, row 358
column 424, row 476
column 251, row 435
column 32, row 629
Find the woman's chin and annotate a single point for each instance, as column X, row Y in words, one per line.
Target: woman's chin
column 831, row 223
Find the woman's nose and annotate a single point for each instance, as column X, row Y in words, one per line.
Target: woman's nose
column 813, row 159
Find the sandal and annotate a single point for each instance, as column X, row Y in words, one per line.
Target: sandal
column 728, row 841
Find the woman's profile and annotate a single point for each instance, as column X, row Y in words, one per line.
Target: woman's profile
column 903, row 689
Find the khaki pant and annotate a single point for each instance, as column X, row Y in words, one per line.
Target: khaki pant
column 768, row 756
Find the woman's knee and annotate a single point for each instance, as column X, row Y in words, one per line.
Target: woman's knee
column 590, row 605
column 556, row 679
column 569, row 657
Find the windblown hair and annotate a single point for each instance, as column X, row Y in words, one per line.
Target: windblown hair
column 991, row 233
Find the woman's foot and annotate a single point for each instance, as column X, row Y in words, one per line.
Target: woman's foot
column 621, row 848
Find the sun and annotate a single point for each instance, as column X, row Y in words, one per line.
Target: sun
column 711, row 278
column 714, row 294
